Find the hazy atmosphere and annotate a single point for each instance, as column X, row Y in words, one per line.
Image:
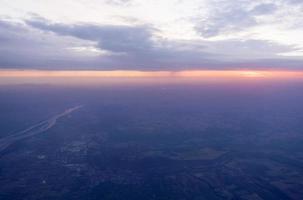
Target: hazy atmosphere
column 151, row 99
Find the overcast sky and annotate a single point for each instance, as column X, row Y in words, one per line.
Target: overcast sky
column 151, row 34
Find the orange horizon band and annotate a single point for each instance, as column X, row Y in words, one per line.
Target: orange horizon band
column 153, row 74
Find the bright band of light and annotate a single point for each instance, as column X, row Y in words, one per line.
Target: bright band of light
column 154, row 74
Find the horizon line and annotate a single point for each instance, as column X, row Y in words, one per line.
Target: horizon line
column 242, row 73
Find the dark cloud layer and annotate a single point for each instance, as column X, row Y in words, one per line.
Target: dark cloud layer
column 41, row 44
column 22, row 47
column 112, row 38
column 131, row 46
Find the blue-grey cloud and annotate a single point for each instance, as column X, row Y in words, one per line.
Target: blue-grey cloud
column 263, row 9
column 21, row 47
column 131, row 46
column 113, row 38
column 38, row 43
column 296, row 2
column 232, row 16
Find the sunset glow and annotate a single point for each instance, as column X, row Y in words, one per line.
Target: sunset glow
column 154, row 74
column 140, row 77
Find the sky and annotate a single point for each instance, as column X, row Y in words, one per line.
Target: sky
column 151, row 35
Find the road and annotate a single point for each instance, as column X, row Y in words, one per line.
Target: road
column 33, row 130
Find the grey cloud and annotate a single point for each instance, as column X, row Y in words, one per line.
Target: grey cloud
column 111, row 38
column 295, row 2
column 229, row 16
column 46, row 46
column 136, row 43
column 26, row 48
column 263, row 9
column 248, row 49
column 43, row 45
column 232, row 20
